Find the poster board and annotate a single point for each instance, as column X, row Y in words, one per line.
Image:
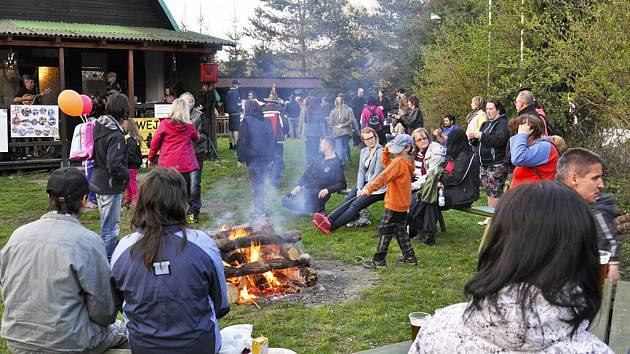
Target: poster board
column 147, row 128
column 162, row 110
column 4, row 131
column 34, row 121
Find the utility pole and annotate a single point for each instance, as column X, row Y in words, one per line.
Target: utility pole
column 522, row 27
column 488, row 50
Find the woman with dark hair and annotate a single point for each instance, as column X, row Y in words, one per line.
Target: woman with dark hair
column 492, row 142
column 537, row 283
column 535, row 158
column 255, row 148
column 372, row 117
column 168, row 278
column 110, row 176
column 461, row 175
column 370, row 167
column 383, row 102
column 414, row 118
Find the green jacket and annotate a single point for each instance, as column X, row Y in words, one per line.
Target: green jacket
column 342, row 116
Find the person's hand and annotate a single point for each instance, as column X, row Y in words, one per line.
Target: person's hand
column 296, row 190
column 149, row 164
column 437, row 132
column 338, row 126
column 362, row 193
column 387, row 146
column 473, row 135
column 323, row 193
column 239, row 164
column 525, row 128
column 613, row 273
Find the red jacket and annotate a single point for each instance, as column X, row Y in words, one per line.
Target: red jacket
column 175, row 144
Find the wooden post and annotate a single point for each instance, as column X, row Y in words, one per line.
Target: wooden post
column 211, row 117
column 63, row 126
column 130, row 83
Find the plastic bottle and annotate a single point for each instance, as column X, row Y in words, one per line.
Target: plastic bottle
column 441, row 201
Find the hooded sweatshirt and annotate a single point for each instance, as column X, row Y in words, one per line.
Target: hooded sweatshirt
column 110, row 174
column 502, row 331
column 175, row 144
column 604, row 212
column 397, row 176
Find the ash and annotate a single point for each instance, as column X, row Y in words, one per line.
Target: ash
column 337, row 281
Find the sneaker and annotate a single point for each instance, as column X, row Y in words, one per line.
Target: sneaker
column 92, row 205
column 484, row 222
column 429, row 240
column 191, row 218
column 321, row 222
column 407, row 260
column 196, row 219
column 373, row 263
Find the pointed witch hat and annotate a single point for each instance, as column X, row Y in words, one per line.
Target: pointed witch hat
column 273, row 96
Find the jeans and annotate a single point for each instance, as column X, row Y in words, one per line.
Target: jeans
column 293, row 127
column 131, row 193
column 109, row 206
column 348, row 210
column 278, row 165
column 312, row 149
column 342, row 147
column 89, row 168
column 258, row 172
column 305, row 203
column 195, row 188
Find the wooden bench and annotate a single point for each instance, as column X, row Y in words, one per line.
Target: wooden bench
column 610, row 325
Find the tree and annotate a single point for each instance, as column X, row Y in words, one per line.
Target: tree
column 237, row 64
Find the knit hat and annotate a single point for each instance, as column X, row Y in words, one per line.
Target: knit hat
column 400, row 143
column 273, row 96
column 67, row 184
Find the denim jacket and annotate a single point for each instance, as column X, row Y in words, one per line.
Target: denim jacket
column 374, row 169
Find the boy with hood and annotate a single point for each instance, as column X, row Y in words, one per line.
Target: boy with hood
column 397, row 175
column 110, row 176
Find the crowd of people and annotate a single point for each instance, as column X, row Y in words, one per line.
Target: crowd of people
column 536, row 286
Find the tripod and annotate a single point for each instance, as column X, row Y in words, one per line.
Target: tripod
column 214, row 150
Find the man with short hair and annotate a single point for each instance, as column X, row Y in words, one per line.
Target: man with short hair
column 582, row 170
column 448, row 125
column 56, row 280
column 27, row 94
column 357, row 104
column 293, row 112
column 525, row 104
column 200, row 121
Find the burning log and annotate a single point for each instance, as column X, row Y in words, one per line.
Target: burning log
column 266, row 265
column 290, row 252
column 309, row 275
column 232, row 293
column 226, row 246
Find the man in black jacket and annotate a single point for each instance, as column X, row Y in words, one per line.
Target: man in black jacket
column 524, row 103
column 255, row 147
column 199, row 120
column 357, row 104
column 318, row 183
column 110, row 176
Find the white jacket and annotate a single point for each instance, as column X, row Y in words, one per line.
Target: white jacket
column 487, row 331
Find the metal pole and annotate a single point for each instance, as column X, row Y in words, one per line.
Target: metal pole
column 488, row 50
column 522, row 27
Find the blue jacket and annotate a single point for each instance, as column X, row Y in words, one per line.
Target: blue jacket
column 175, row 307
column 374, row 169
column 233, row 102
column 256, row 140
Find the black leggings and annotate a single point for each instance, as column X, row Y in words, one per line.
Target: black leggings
column 348, row 211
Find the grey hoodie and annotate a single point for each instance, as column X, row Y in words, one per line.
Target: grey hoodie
column 502, row 331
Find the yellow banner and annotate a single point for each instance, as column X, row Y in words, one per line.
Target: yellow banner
column 147, row 128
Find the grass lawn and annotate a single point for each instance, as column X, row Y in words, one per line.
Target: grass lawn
column 379, row 317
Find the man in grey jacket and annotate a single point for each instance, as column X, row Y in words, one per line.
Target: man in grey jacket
column 55, row 278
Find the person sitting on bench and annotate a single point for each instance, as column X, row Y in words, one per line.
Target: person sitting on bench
column 537, row 283
column 353, row 206
column 461, row 174
column 318, row 183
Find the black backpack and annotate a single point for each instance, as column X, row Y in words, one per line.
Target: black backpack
column 374, row 122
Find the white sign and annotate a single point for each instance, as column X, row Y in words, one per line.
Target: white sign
column 34, row 121
column 4, row 133
column 162, row 110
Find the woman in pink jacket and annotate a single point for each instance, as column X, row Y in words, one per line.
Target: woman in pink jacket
column 173, row 139
column 372, row 117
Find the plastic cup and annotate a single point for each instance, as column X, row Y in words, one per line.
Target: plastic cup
column 604, row 257
column 418, row 320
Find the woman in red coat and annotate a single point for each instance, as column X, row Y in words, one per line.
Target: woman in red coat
column 173, row 139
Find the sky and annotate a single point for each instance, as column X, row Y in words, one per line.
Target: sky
column 218, row 15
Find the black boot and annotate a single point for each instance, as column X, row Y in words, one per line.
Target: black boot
column 231, row 146
column 429, row 239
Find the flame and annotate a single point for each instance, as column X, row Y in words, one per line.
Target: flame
column 238, row 233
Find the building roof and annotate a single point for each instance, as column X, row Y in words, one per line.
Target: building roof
column 281, row 82
column 105, row 32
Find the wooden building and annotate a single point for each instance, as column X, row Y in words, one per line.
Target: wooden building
column 72, row 44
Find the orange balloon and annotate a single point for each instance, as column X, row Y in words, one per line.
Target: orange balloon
column 70, row 103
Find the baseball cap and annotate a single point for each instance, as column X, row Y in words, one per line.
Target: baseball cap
column 400, row 143
column 67, row 184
